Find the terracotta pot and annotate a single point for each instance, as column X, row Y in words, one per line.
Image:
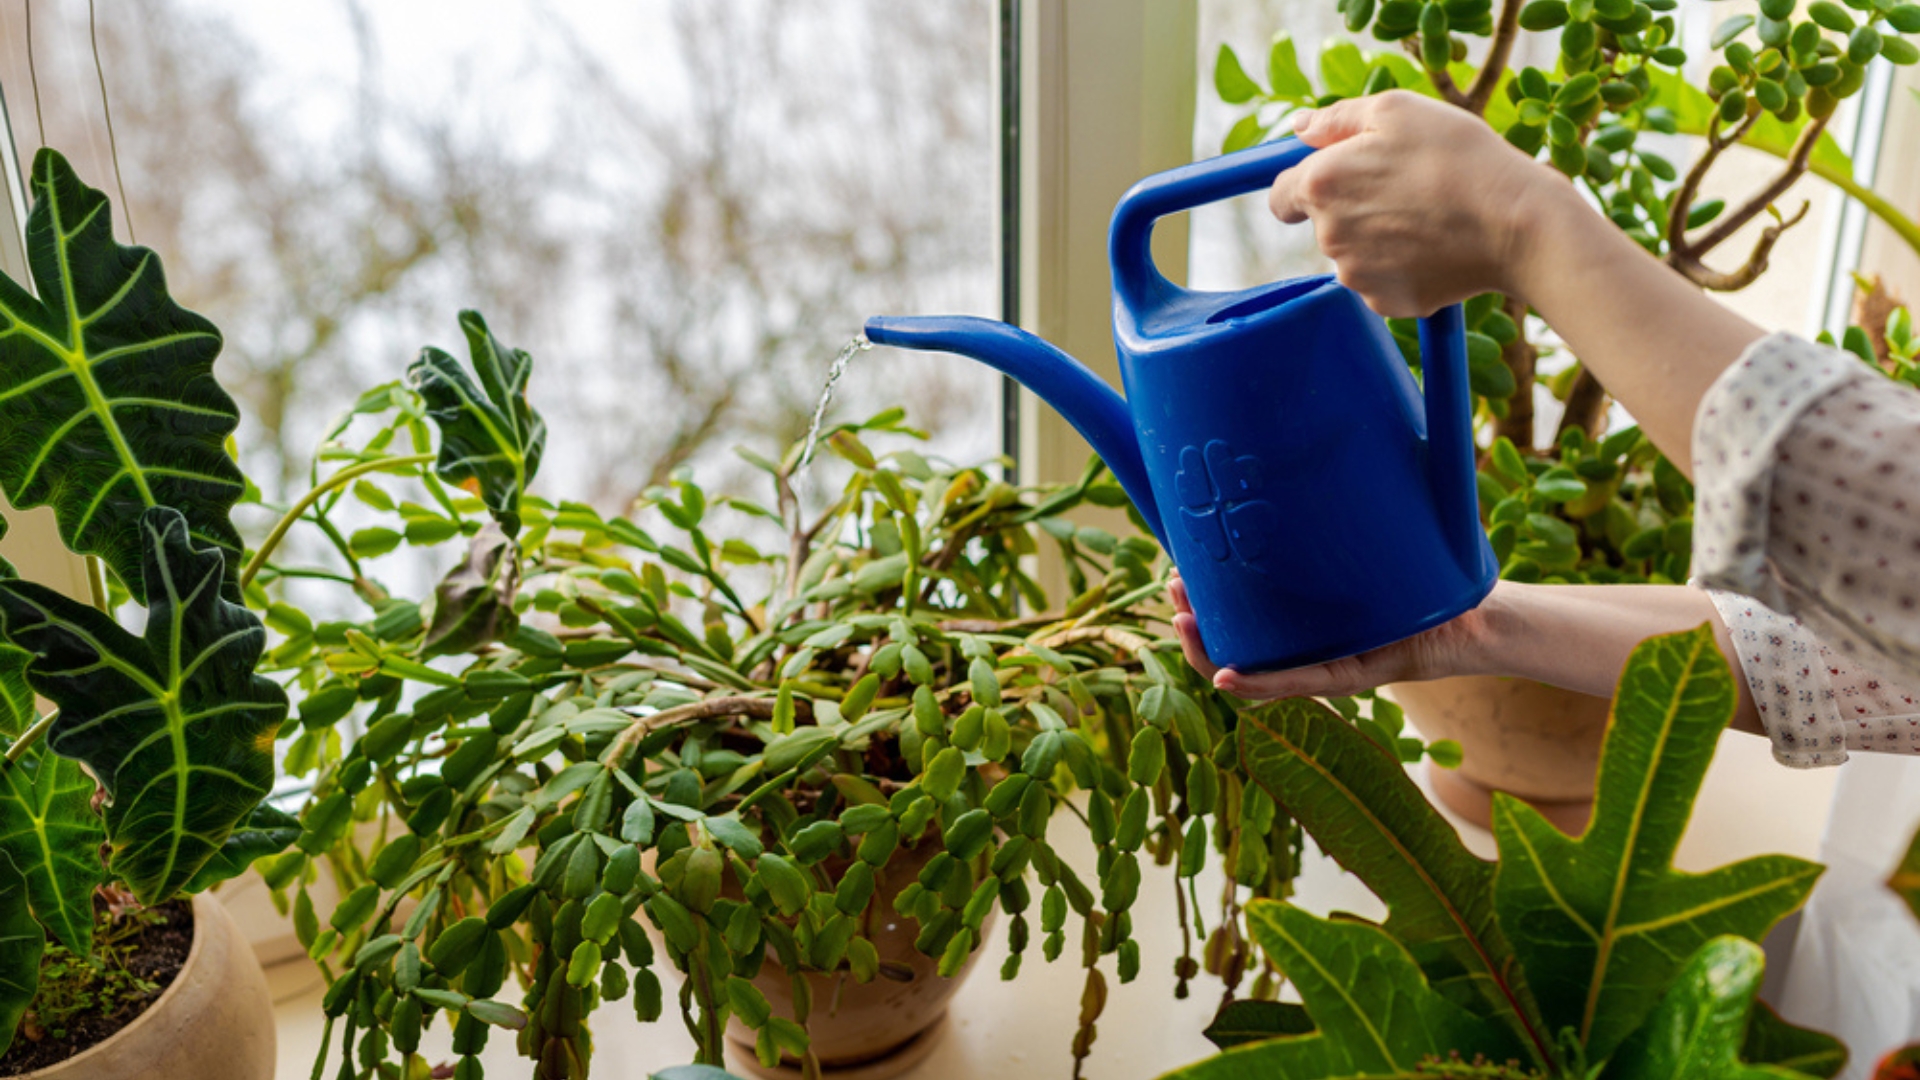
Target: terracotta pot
column 879, row 1029
column 1540, row 743
column 214, row 1022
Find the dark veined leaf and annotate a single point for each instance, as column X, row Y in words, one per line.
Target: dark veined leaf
column 1373, row 1012
column 107, row 392
column 1246, row 1020
column 52, row 836
column 175, row 725
column 18, row 710
column 1599, row 920
column 1364, row 811
column 490, row 438
column 473, row 604
column 1698, row 1028
column 1773, row 1041
column 266, row 831
column 21, row 943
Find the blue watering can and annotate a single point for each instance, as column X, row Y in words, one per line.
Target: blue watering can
column 1273, row 438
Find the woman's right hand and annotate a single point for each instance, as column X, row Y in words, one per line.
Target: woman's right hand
column 1418, row 203
column 1453, row 648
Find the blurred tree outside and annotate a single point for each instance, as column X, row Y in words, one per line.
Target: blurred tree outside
column 680, row 209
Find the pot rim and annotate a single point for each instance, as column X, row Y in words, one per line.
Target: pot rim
column 179, row 980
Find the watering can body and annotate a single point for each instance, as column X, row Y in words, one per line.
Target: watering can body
column 1316, row 505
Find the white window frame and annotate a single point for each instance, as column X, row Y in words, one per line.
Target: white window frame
column 1103, row 95
column 1885, row 146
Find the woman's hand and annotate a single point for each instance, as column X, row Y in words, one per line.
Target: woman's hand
column 1418, row 203
column 1453, row 648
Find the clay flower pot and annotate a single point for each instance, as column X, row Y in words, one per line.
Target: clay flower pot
column 872, row 1031
column 213, row 1022
column 1538, row 742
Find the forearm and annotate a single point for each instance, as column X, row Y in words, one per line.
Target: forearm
column 1578, row 637
column 1652, row 339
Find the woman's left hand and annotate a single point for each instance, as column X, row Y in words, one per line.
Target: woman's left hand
column 1448, row 649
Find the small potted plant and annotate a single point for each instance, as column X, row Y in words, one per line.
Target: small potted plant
column 810, row 770
column 144, row 786
column 1580, row 505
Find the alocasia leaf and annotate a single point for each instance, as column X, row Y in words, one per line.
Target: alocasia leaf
column 18, row 710
column 1602, row 924
column 107, row 394
column 52, row 835
column 1697, row 1029
column 473, row 604
column 21, row 943
column 490, row 438
column 1373, row 1012
column 1773, row 1041
column 266, row 831
column 1362, row 808
column 175, row 724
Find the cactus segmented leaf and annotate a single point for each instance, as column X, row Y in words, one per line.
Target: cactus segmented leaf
column 490, row 438
column 175, row 724
column 107, row 394
column 52, row 835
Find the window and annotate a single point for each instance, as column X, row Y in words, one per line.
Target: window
column 682, row 211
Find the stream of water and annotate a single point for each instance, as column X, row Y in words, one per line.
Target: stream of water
column 858, row 345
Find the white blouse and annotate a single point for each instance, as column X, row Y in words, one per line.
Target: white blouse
column 1807, row 500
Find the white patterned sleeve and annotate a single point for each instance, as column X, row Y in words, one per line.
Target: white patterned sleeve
column 1814, row 703
column 1807, row 499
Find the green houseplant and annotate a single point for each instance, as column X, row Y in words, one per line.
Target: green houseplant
column 1568, row 957
column 115, row 422
column 1582, row 505
column 585, row 739
column 625, row 741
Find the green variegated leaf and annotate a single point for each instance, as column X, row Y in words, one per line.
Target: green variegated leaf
column 107, row 394
column 1373, row 1012
column 490, row 438
column 1697, row 1029
column 52, row 835
column 176, row 725
column 266, row 831
column 1603, row 923
column 473, row 604
column 21, row 943
column 1362, row 808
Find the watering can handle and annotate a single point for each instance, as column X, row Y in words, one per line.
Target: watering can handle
column 1137, row 283
column 1130, row 240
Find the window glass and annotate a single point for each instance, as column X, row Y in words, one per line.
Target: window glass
column 682, row 210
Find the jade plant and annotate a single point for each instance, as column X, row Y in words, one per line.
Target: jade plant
column 1580, row 505
column 1566, row 957
column 150, row 773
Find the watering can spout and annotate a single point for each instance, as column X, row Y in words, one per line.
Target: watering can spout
column 1094, row 409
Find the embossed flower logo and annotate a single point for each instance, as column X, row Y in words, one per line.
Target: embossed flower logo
column 1219, row 504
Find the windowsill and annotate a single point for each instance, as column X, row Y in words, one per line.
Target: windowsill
column 1022, row 1031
